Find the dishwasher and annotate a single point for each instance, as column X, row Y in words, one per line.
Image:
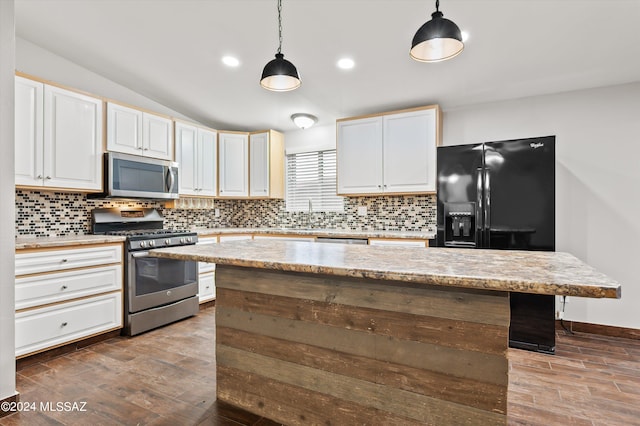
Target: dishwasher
column 342, row 240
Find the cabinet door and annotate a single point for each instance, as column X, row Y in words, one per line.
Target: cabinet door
column 157, row 137
column 259, row 165
column 207, row 162
column 359, row 156
column 206, row 287
column 124, row 129
column 28, row 132
column 186, row 150
column 233, row 164
column 409, row 152
column 72, row 140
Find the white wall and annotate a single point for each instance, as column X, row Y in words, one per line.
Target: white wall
column 316, row 138
column 34, row 60
column 7, row 208
column 598, row 180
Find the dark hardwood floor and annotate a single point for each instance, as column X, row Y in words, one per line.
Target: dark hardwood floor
column 167, row 377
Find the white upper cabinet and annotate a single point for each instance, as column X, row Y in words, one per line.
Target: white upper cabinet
column 359, row 156
column 157, row 136
column 390, row 153
column 259, row 165
column 124, row 129
column 266, row 164
column 29, row 127
column 58, row 137
column 234, row 164
column 196, row 153
column 132, row 131
column 409, row 151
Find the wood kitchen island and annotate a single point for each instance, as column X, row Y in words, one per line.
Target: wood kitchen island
column 313, row 333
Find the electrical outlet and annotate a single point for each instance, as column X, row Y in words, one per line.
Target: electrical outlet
column 362, row 210
column 216, row 213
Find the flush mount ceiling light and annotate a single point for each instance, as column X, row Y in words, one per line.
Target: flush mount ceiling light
column 304, row 121
column 279, row 74
column 437, row 40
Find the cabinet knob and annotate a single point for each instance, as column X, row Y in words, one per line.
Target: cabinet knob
column 145, row 149
column 39, row 177
column 64, row 324
column 48, row 177
column 64, row 287
column 379, row 186
column 64, row 260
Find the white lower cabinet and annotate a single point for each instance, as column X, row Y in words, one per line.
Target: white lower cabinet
column 54, row 325
column 207, row 286
column 404, row 243
column 66, row 294
column 206, row 274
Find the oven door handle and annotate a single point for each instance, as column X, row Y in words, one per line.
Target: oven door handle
column 140, row 254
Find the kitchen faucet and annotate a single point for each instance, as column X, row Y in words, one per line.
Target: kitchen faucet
column 309, row 213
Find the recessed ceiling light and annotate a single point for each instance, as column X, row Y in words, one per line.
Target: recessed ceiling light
column 346, row 63
column 230, row 61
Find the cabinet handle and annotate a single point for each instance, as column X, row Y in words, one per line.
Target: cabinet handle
column 48, row 177
column 145, row 149
column 64, row 324
column 39, row 177
column 64, row 287
column 64, row 260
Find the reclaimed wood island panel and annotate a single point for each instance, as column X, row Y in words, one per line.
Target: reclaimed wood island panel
column 342, row 334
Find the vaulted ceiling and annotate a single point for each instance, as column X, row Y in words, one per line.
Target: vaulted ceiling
column 170, row 51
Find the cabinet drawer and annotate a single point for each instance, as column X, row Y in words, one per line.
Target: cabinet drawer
column 206, row 287
column 405, row 243
column 57, row 260
column 51, row 326
column 36, row 290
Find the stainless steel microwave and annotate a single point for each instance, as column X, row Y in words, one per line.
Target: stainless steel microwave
column 133, row 176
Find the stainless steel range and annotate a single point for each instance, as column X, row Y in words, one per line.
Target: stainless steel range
column 157, row 291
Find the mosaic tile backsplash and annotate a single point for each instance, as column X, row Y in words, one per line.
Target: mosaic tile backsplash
column 59, row 213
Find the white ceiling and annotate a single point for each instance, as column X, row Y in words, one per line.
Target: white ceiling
column 170, row 51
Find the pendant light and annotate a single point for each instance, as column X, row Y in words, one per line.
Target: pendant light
column 437, row 40
column 279, row 74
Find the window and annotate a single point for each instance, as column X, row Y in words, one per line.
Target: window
column 312, row 176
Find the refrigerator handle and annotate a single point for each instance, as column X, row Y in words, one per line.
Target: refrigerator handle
column 487, row 203
column 480, row 208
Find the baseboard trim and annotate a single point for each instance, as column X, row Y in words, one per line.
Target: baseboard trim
column 208, row 304
column 10, row 399
column 49, row 354
column 603, row 330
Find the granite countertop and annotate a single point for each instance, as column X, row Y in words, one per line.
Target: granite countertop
column 553, row 273
column 321, row 232
column 70, row 240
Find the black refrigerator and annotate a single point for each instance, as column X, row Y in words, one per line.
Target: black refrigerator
column 501, row 195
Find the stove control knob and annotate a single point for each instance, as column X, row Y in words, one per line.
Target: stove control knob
column 181, row 240
column 189, row 239
column 152, row 243
column 167, row 242
column 143, row 244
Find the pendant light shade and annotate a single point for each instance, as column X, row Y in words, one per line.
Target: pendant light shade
column 437, row 40
column 279, row 74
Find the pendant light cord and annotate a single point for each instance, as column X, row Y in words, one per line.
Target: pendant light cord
column 279, row 26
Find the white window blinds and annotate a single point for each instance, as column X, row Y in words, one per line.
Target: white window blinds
column 312, row 176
